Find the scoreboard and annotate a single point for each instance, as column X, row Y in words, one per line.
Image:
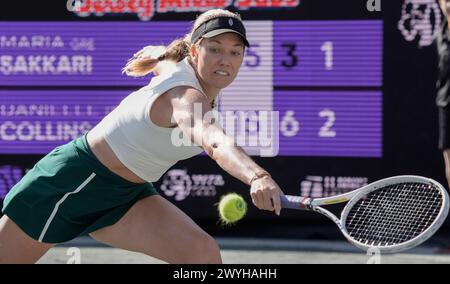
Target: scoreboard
column 283, row 69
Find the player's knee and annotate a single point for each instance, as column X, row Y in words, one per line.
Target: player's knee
column 205, row 250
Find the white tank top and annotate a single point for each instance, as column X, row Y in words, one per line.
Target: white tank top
column 143, row 147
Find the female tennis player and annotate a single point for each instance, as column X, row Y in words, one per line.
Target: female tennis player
column 100, row 184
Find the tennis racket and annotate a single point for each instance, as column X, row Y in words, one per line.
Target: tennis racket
column 391, row 215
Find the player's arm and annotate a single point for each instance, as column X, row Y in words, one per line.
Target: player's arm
column 190, row 108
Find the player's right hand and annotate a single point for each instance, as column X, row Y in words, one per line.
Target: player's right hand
column 265, row 194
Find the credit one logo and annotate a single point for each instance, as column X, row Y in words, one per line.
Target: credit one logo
column 179, row 184
column 325, row 186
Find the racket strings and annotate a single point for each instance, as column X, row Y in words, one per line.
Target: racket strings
column 394, row 214
column 396, row 225
column 386, row 228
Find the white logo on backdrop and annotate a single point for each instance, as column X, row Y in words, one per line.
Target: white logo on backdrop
column 179, row 184
column 325, row 186
column 420, row 20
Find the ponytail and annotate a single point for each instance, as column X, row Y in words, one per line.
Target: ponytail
column 145, row 61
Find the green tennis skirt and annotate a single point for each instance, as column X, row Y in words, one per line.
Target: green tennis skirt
column 70, row 193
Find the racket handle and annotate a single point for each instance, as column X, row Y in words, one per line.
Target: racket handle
column 295, row 202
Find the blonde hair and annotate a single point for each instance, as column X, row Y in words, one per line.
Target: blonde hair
column 143, row 63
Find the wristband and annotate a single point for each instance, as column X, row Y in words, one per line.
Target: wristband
column 259, row 175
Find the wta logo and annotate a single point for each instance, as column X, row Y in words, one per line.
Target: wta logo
column 9, row 176
column 179, row 184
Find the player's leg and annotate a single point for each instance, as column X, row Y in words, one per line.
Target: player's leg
column 156, row 227
column 16, row 246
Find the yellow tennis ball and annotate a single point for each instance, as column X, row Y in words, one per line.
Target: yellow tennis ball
column 232, row 208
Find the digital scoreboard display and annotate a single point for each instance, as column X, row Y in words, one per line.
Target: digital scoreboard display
column 323, row 77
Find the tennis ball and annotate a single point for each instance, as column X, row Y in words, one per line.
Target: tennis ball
column 232, row 208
